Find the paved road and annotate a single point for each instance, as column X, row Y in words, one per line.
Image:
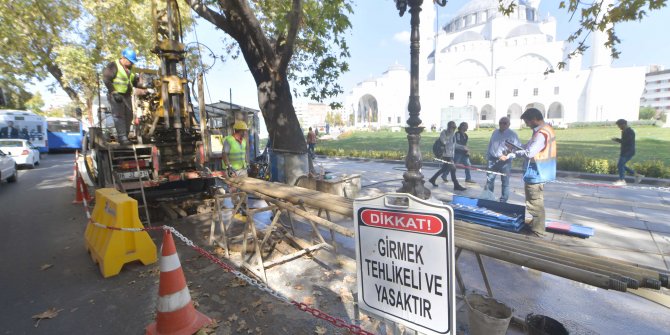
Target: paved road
column 40, row 226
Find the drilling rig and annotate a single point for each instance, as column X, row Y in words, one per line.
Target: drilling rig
column 167, row 160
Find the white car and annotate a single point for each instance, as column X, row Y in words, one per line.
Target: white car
column 7, row 168
column 22, row 151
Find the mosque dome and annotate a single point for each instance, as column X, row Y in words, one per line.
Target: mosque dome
column 474, row 8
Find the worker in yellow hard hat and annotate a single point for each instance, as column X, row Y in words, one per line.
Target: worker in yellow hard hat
column 235, row 157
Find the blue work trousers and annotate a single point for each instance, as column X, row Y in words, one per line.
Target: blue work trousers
column 505, row 168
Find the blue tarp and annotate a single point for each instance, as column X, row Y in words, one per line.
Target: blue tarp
column 489, row 213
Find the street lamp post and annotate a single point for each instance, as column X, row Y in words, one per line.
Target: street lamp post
column 413, row 179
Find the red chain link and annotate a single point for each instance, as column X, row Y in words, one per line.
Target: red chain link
column 340, row 323
column 354, row 329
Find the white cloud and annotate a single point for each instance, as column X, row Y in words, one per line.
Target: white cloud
column 402, row 37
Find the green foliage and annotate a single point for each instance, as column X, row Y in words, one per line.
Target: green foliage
column 70, row 41
column 35, row 103
column 579, row 149
column 334, row 118
column 652, row 168
column 647, row 113
column 608, row 124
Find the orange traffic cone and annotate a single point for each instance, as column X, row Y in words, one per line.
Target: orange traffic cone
column 176, row 314
column 81, row 188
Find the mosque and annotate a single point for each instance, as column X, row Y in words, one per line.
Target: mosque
column 483, row 65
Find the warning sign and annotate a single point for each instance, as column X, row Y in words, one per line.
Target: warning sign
column 405, row 261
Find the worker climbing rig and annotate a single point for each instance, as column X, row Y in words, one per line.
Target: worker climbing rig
column 168, row 154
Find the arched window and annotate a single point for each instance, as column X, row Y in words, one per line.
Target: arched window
column 488, row 113
column 555, row 111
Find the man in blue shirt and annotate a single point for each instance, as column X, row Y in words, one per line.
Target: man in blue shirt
column 496, row 149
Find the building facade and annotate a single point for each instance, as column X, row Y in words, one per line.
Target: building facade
column 657, row 90
column 483, row 65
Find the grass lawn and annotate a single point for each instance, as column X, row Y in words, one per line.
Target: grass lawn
column 653, row 143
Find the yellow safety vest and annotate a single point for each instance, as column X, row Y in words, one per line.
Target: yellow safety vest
column 237, row 154
column 121, row 81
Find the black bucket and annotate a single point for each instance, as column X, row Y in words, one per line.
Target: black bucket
column 544, row 325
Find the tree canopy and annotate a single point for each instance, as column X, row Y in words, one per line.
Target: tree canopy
column 298, row 40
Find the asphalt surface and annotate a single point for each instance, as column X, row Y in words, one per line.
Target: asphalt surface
column 45, row 264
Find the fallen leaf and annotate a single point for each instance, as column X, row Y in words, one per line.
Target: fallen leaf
column 256, row 303
column 232, row 318
column 320, row 330
column 298, row 287
column 48, row 314
column 318, row 293
column 242, row 325
column 244, row 310
column 46, row 266
column 74, row 309
column 131, row 282
column 349, row 279
column 308, row 300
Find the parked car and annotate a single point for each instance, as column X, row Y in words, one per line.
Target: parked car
column 7, row 168
column 23, row 152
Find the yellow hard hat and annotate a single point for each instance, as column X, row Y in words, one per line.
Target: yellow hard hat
column 240, row 125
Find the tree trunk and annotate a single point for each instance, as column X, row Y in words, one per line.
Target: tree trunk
column 276, row 103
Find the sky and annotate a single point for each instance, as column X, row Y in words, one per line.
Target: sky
column 379, row 38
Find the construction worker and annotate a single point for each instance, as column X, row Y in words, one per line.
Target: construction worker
column 236, row 158
column 119, row 78
column 235, row 155
column 540, row 165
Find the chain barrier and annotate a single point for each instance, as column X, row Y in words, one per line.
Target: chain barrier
column 340, row 323
column 628, row 187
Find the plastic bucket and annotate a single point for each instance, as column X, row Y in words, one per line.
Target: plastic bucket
column 544, row 325
column 487, row 316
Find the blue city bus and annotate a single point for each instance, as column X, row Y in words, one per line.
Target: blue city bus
column 65, row 133
column 28, row 125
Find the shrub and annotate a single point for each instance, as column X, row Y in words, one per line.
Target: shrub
column 599, row 166
column 652, row 168
column 647, row 113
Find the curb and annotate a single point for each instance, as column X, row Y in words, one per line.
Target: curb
column 570, row 174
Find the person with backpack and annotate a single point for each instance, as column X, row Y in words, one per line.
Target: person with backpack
column 448, row 139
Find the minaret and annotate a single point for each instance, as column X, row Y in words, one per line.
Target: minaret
column 427, row 33
column 595, row 91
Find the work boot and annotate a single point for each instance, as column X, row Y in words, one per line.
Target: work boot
column 432, row 181
column 123, row 140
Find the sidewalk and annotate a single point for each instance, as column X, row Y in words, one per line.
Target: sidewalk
column 631, row 223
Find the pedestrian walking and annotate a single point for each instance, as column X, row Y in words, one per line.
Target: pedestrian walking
column 498, row 147
column 539, row 167
column 462, row 153
column 447, row 138
column 311, row 142
column 627, row 152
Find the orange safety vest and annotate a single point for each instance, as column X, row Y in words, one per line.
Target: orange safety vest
column 542, row 167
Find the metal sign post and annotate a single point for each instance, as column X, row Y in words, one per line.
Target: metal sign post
column 405, row 261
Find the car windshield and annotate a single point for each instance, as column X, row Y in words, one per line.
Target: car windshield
column 12, row 144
